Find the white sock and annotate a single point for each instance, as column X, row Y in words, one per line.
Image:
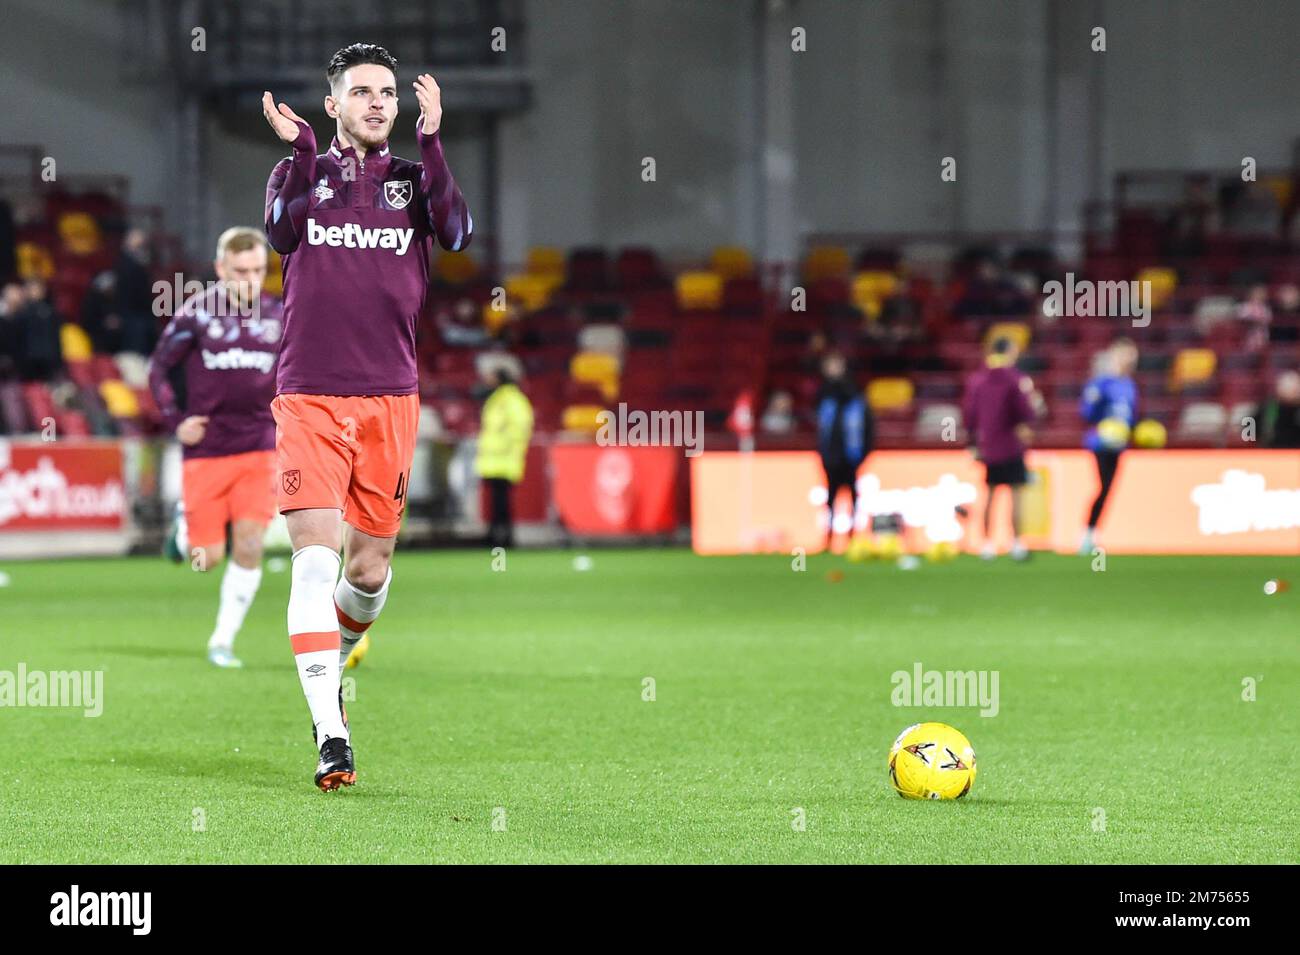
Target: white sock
column 356, row 611
column 314, row 636
column 238, row 587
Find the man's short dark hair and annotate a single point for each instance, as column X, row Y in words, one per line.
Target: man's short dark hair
column 357, row 54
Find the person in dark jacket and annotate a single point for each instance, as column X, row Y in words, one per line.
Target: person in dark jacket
column 845, row 430
column 1280, row 416
column 42, row 351
column 134, row 294
column 12, row 300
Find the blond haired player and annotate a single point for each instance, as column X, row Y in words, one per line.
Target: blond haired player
column 212, row 375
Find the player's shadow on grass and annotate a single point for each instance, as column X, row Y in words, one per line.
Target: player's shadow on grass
column 183, row 765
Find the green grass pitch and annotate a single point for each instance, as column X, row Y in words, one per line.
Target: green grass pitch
column 500, row 716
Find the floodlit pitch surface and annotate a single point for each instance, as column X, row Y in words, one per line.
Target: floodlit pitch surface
column 505, row 716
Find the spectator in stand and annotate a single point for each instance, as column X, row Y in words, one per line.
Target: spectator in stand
column 1256, row 315
column 845, row 433
column 1280, row 416
column 12, row 299
column 1286, row 313
column 8, row 242
column 134, row 294
column 41, row 357
column 99, row 315
column 990, row 292
column 779, row 416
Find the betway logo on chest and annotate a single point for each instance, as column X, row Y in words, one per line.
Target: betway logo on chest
column 353, row 236
column 234, row 359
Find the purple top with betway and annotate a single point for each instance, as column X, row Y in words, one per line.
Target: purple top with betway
column 353, row 234
column 214, row 360
column 996, row 401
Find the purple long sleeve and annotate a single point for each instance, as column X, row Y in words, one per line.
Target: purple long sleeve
column 444, row 205
column 174, row 346
column 288, row 191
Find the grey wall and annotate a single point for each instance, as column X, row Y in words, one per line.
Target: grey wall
column 884, row 91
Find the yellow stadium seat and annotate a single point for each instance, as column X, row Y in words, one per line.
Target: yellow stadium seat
column 1018, row 332
column 79, row 233
column 699, row 290
column 34, row 262
column 597, row 368
column 889, row 394
column 119, row 399
column 274, row 282
column 532, row 290
column 545, row 260
column 1192, row 366
column 825, row 262
column 870, row 289
column 1163, row 283
column 582, row 418
column 732, row 262
column 75, row 342
column 493, row 318
column 456, row 267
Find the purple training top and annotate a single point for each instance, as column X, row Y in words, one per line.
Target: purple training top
column 352, row 232
column 213, row 361
column 996, row 401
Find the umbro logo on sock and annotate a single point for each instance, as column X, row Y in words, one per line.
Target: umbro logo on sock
column 316, row 669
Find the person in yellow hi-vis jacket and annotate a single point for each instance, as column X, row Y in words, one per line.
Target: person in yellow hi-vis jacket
column 505, row 429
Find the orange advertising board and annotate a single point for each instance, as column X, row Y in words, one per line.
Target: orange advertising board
column 1163, row 502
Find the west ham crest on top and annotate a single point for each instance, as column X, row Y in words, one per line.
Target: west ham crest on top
column 398, row 193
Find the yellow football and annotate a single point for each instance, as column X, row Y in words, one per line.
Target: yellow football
column 932, row 761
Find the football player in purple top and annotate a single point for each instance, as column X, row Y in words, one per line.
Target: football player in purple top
column 352, row 224
column 212, row 375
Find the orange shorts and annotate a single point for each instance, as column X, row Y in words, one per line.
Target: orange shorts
column 232, row 487
column 349, row 453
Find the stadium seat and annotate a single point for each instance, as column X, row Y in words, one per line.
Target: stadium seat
column 700, row 290
column 825, row 262
column 581, row 418
column 532, row 290
column 933, row 420
column 119, row 399
column 545, row 260
column 596, row 368
column 1201, row 422
column 889, row 394
column 34, row 262
column 456, row 268
column 1164, row 281
column 1192, row 366
column 75, row 343
column 731, row 262
column 79, row 233
column 870, row 289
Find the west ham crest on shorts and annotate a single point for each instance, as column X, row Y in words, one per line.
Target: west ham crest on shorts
column 398, row 193
column 292, row 481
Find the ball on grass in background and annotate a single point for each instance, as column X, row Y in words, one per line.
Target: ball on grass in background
column 582, row 563
column 1113, row 433
column 888, row 546
column 931, row 761
column 1272, row 587
column 941, row 552
column 1149, row 433
column 860, row 549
